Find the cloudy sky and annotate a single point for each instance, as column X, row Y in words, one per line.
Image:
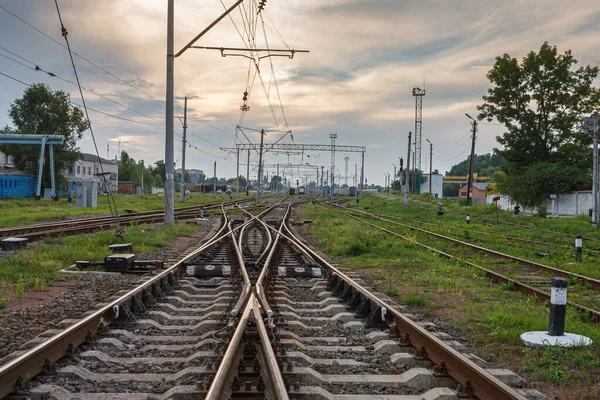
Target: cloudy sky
column 365, row 58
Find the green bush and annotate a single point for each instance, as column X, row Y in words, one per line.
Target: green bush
column 542, row 211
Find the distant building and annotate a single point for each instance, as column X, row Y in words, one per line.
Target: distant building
column 88, row 169
column 85, row 170
column 126, row 187
column 479, row 190
column 194, row 175
column 437, row 184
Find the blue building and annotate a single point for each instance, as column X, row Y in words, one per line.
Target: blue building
column 17, row 186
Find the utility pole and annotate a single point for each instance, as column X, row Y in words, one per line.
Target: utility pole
column 277, row 182
column 169, row 167
column 362, row 175
column 407, row 180
column 215, row 182
column 590, row 125
column 237, row 173
column 332, row 136
column 322, row 187
column 183, row 146
column 430, row 163
column 346, row 170
column 248, row 171
column 415, row 190
column 355, row 175
column 260, row 165
column 470, row 184
column 142, row 162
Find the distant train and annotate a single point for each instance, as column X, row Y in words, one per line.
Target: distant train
column 300, row 189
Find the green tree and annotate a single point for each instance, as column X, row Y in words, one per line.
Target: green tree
column 485, row 165
column 42, row 111
column 540, row 101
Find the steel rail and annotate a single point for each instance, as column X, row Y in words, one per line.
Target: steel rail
column 89, row 224
column 510, row 238
column 107, row 217
column 226, row 369
column 278, row 389
column 595, row 283
column 493, row 276
column 483, row 384
column 27, row 365
column 260, row 291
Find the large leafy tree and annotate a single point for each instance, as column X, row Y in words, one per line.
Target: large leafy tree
column 540, row 101
column 42, row 111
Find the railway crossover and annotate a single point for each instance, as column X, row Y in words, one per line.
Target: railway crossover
column 252, row 313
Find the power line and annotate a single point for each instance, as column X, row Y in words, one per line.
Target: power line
column 112, row 207
column 97, row 66
column 15, row 79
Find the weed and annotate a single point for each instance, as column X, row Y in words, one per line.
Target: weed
column 20, row 290
column 415, row 300
column 391, row 293
column 508, row 286
column 3, row 302
column 39, row 285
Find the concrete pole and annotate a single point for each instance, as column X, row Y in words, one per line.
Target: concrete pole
column 142, row 162
column 471, row 162
column 430, row 165
column 277, row 182
column 322, row 187
column 169, row 115
column 362, row 174
column 184, row 145
column 248, row 170
column 260, row 166
column 407, row 179
column 237, row 173
column 215, row 182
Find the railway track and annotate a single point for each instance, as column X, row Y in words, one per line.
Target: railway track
column 476, row 234
column 92, row 224
column 253, row 313
column 526, row 276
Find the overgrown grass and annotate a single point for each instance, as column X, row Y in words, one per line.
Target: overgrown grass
column 492, row 316
column 43, row 261
column 16, row 212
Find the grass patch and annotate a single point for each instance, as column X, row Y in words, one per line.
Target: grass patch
column 42, row 262
column 491, row 316
column 17, row 212
column 414, row 300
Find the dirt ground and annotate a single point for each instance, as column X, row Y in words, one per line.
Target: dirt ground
column 69, row 297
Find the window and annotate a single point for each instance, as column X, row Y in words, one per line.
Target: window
column 89, row 170
column 78, row 171
column 70, row 170
column 96, row 170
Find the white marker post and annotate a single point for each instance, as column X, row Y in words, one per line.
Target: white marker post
column 578, row 248
column 556, row 335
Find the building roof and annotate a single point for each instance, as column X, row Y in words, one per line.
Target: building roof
column 477, row 185
column 95, row 158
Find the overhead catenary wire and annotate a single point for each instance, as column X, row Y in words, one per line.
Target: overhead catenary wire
column 110, row 198
column 95, row 65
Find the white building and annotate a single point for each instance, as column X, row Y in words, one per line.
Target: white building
column 437, row 184
column 88, row 169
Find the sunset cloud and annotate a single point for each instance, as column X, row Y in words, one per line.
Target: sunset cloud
column 364, row 60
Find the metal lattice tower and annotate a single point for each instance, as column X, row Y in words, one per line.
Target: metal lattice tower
column 346, row 176
column 333, row 136
column 418, row 93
